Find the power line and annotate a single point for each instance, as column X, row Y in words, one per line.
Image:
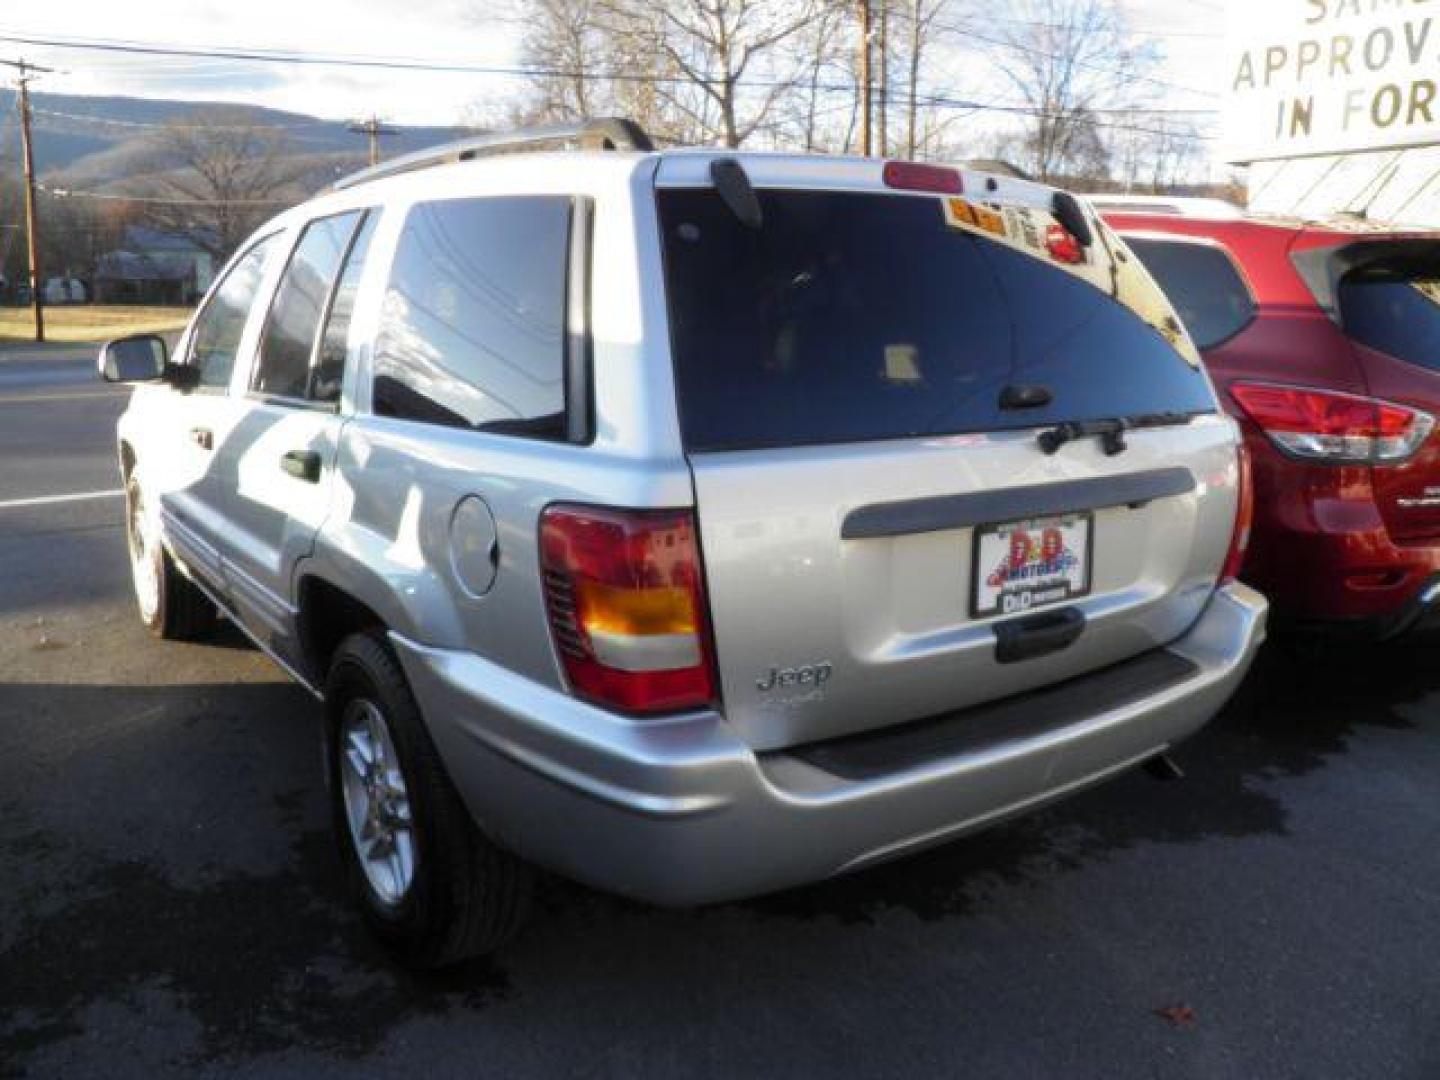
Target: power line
column 1018, row 46
column 273, row 56
column 111, row 196
column 1141, row 31
column 173, row 125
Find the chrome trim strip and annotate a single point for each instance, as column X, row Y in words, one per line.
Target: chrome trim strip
column 914, row 516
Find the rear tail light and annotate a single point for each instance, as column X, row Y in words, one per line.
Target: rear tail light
column 626, row 600
column 916, row 176
column 1244, row 517
column 1322, row 425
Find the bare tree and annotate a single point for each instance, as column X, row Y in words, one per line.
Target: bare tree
column 714, row 46
column 1151, row 152
column 692, row 70
column 214, row 180
column 920, row 20
column 76, row 231
column 778, row 72
column 562, row 40
column 12, row 247
column 1066, row 59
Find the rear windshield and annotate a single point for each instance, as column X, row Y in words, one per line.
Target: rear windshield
column 850, row 317
column 1395, row 310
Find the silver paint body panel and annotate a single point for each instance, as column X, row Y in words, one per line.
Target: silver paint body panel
column 684, row 811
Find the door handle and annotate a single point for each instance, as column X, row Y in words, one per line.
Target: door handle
column 1037, row 635
column 203, row 438
column 303, row 465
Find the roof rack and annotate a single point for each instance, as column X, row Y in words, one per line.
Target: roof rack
column 604, row 133
column 1182, row 206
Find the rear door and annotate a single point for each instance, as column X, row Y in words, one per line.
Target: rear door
column 276, row 471
column 862, row 383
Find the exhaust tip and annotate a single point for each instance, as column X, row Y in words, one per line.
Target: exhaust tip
column 1164, row 767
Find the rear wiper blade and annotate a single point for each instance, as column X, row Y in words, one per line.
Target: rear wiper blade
column 1111, row 432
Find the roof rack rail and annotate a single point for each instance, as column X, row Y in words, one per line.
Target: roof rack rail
column 604, row 133
column 1182, row 206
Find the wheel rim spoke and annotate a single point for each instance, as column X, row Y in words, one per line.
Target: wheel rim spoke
column 142, row 562
column 377, row 802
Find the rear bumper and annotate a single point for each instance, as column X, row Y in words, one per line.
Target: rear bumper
column 1414, row 609
column 680, row 811
column 1344, row 581
column 1322, row 554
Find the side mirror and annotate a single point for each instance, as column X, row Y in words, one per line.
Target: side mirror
column 140, row 358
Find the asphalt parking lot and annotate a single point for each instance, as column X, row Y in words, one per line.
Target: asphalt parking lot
column 170, row 901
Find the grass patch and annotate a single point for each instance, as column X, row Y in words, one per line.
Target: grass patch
column 90, row 322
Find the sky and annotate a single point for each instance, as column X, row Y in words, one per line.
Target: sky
column 477, row 32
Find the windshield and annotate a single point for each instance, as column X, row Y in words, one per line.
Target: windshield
column 848, row 317
column 1395, row 310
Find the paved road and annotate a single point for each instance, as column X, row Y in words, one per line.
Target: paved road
column 170, row 902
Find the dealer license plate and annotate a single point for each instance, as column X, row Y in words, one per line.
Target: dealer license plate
column 1024, row 565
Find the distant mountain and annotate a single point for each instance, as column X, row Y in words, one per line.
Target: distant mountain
column 100, row 141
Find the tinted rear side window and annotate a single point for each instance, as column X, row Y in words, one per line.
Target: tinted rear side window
column 329, row 371
column 290, row 332
column 1396, row 312
column 472, row 327
column 850, row 317
column 1209, row 294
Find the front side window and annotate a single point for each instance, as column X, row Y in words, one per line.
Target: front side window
column 288, row 343
column 219, row 327
column 472, row 325
column 1209, row 294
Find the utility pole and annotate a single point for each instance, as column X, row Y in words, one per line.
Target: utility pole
column 883, row 91
column 32, row 232
column 865, row 78
column 372, row 129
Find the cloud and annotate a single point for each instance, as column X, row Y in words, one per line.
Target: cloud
column 458, row 31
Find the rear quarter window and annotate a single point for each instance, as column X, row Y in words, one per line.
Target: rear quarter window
column 1203, row 284
column 1394, row 311
column 472, row 325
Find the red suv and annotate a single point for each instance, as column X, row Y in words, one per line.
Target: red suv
column 1324, row 342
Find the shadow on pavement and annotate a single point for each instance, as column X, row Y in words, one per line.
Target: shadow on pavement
column 173, row 842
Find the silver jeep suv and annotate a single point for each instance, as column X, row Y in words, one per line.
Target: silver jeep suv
column 691, row 523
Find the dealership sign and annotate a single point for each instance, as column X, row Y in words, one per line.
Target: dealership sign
column 1307, row 77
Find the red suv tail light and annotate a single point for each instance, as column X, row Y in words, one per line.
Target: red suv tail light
column 626, row 599
column 1244, row 517
column 1323, row 425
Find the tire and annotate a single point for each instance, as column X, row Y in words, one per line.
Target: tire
column 432, row 888
column 171, row 605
